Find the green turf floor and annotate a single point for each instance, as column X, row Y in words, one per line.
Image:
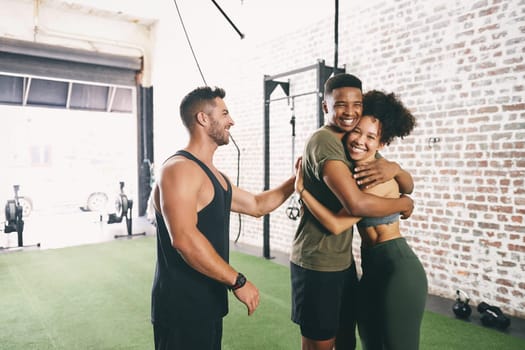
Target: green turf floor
column 98, row 297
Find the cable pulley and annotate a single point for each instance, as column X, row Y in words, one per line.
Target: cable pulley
column 293, row 211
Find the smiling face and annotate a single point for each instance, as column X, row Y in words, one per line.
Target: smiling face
column 343, row 108
column 220, row 123
column 363, row 141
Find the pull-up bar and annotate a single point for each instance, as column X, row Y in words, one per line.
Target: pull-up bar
column 292, row 96
column 323, row 72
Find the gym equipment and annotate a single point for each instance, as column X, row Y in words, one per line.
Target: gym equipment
column 271, row 82
column 461, row 307
column 228, row 19
column 293, row 211
column 27, row 205
column 492, row 316
column 239, row 216
column 96, row 202
column 14, row 212
column 123, row 207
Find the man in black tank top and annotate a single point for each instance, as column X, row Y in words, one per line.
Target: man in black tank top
column 193, row 200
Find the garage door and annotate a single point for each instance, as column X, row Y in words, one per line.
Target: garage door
column 69, row 124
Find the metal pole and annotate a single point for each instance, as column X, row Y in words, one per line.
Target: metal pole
column 266, row 219
column 229, row 20
column 336, row 35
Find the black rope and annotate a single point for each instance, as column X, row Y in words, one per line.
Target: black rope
column 189, row 43
column 229, row 20
column 205, row 83
column 238, row 176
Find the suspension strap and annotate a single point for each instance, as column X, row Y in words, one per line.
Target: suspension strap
column 294, row 209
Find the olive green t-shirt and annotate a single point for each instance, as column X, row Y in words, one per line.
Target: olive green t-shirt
column 314, row 247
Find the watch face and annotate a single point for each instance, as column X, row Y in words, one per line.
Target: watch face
column 239, row 282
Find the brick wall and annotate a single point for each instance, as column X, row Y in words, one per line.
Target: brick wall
column 459, row 66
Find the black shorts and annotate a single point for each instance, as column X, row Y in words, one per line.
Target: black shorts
column 206, row 335
column 323, row 302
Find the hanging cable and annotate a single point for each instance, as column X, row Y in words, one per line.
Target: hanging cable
column 205, row 83
column 189, row 43
column 238, row 176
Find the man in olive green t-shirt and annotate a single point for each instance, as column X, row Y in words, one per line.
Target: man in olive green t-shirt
column 323, row 274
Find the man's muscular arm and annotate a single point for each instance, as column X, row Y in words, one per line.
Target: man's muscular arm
column 262, row 203
column 335, row 223
column 381, row 170
column 339, row 179
column 179, row 186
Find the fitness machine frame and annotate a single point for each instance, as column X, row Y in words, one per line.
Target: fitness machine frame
column 123, row 206
column 14, row 221
column 270, row 83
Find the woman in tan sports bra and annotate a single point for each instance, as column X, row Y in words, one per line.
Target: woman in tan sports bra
column 393, row 287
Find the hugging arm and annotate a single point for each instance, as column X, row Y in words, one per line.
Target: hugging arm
column 335, row 223
column 380, row 170
column 339, row 179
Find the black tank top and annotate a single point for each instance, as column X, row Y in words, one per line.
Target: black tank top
column 180, row 294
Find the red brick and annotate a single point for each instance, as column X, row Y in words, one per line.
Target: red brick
column 515, row 107
column 516, row 248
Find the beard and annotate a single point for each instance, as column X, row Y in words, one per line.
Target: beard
column 218, row 134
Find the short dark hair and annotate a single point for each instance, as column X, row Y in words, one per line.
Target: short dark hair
column 396, row 120
column 195, row 102
column 342, row 80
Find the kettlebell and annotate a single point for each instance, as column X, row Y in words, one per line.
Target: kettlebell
column 492, row 316
column 461, row 307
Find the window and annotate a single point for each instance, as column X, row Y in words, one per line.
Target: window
column 30, row 91
column 92, row 97
column 11, row 89
column 47, row 93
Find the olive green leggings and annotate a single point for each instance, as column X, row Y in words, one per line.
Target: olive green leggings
column 392, row 296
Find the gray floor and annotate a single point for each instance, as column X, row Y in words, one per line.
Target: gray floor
column 435, row 303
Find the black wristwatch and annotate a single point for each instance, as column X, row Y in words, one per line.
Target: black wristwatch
column 239, row 282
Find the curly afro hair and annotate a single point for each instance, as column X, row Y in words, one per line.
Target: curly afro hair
column 396, row 120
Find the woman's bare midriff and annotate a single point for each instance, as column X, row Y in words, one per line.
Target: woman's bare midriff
column 372, row 235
